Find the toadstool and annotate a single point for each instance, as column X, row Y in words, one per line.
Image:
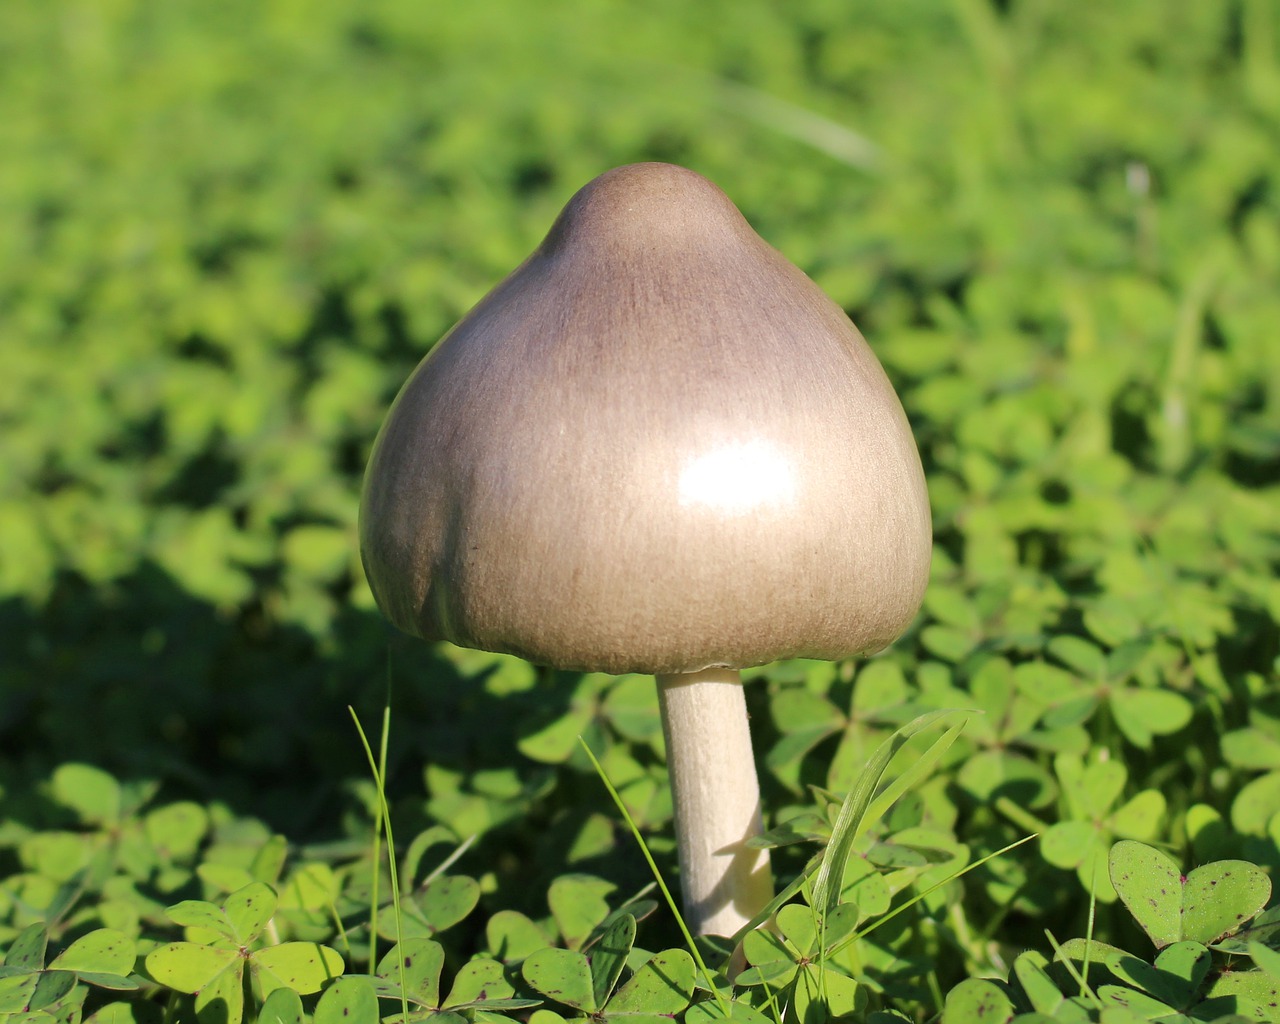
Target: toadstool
column 655, row 447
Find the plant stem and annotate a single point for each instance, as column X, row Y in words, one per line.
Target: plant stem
column 716, row 798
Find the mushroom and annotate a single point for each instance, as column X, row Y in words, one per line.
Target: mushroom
column 655, row 447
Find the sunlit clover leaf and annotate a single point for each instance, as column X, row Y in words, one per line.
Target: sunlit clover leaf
column 1256, row 804
column 303, row 967
column 773, row 961
column 1253, row 748
column 307, row 900
column 281, row 1007
column 990, row 775
column 1082, row 844
column 822, row 994
column 1165, row 600
column 545, row 1016
column 205, row 922
column 863, row 889
column 268, row 860
column 1110, row 618
column 660, row 987
column 93, row 794
column 15, row 991
column 1252, row 995
column 55, row 999
column 957, row 625
column 879, row 704
column 240, row 919
column 578, row 903
column 219, row 877
column 348, row 1001
column 412, row 969
column 104, row 957
column 175, row 831
column 210, row 965
column 1009, row 717
column 214, row 975
column 18, row 980
column 1266, row 958
column 31, row 1017
column 483, row 985
column 58, row 856
column 511, row 936
column 1143, row 713
column 440, row 842
column 1211, row 902
column 976, row 1001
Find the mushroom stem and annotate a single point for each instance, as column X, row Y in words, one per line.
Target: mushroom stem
column 717, row 799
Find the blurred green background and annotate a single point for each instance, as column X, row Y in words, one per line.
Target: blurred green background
column 231, row 230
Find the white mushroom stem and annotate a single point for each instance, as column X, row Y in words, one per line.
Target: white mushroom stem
column 717, row 800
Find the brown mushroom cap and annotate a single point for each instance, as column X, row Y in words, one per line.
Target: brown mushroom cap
column 655, row 447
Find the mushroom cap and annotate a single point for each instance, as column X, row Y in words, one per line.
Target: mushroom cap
column 655, row 447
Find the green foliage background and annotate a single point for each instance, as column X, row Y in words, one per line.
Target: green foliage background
column 231, row 230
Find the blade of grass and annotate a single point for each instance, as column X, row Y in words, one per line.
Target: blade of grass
column 915, row 774
column 449, row 861
column 378, row 767
column 861, row 806
column 852, row 817
column 662, row 885
column 1071, row 969
column 822, row 133
column 1093, row 911
column 886, row 918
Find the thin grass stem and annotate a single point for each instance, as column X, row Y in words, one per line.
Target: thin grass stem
column 662, row 885
column 378, row 767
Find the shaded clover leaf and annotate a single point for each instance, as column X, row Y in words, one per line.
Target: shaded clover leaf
column 659, row 987
column 1083, row 841
column 409, row 974
column 31, row 991
column 563, row 976
column 1043, row 993
column 437, row 906
column 1140, row 712
column 658, row 990
column 819, row 985
column 1175, row 978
